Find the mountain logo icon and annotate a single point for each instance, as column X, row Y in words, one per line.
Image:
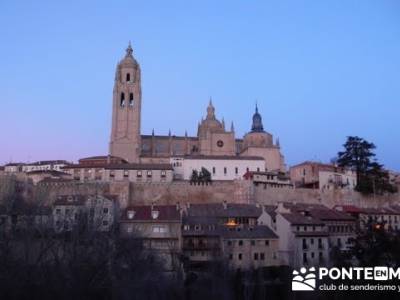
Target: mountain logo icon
column 304, row 280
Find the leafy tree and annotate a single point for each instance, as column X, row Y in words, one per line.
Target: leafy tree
column 359, row 156
column 195, row 177
column 206, row 175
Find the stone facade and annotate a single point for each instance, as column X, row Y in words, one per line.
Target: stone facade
column 220, row 167
column 127, row 100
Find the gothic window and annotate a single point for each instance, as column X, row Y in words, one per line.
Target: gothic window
column 128, row 77
column 131, row 99
column 122, row 102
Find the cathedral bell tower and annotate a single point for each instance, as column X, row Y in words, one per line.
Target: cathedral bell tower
column 125, row 139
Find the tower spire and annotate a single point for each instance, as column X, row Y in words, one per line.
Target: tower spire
column 129, row 50
column 210, row 111
column 232, row 127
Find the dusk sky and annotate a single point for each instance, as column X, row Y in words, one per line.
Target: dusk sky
column 319, row 70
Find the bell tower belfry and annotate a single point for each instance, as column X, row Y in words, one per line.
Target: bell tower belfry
column 125, row 141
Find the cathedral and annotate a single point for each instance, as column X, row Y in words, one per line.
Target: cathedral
column 212, row 140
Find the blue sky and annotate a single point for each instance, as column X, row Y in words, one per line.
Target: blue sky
column 320, row 71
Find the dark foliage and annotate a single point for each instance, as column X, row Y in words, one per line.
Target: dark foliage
column 371, row 176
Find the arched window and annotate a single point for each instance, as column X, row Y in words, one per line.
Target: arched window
column 128, row 77
column 130, row 99
column 122, row 102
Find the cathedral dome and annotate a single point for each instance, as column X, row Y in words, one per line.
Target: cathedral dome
column 210, row 123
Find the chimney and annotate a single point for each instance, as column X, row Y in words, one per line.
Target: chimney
column 282, row 209
column 130, row 214
column 224, row 204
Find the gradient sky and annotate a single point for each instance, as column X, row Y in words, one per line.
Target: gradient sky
column 320, row 71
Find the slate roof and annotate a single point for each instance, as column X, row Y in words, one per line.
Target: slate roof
column 218, row 210
column 298, row 219
column 70, row 200
column 144, row 213
column 248, row 232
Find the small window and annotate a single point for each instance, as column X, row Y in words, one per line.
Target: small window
column 122, row 102
column 105, row 223
column 128, row 77
column 262, row 256
column 266, row 243
column 112, row 174
column 253, row 243
column 240, row 256
column 225, row 170
column 149, row 174
column 240, row 243
column 236, row 170
column 139, row 174
column 255, row 256
column 163, row 174
column 130, row 99
column 213, row 170
column 105, row 210
column 126, row 173
column 230, row 256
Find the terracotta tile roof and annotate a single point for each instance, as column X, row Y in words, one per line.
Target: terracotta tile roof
column 139, row 167
column 220, row 157
column 348, row 208
column 145, row 213
column 47, row 162
column 50, row 172
column 122, row 166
